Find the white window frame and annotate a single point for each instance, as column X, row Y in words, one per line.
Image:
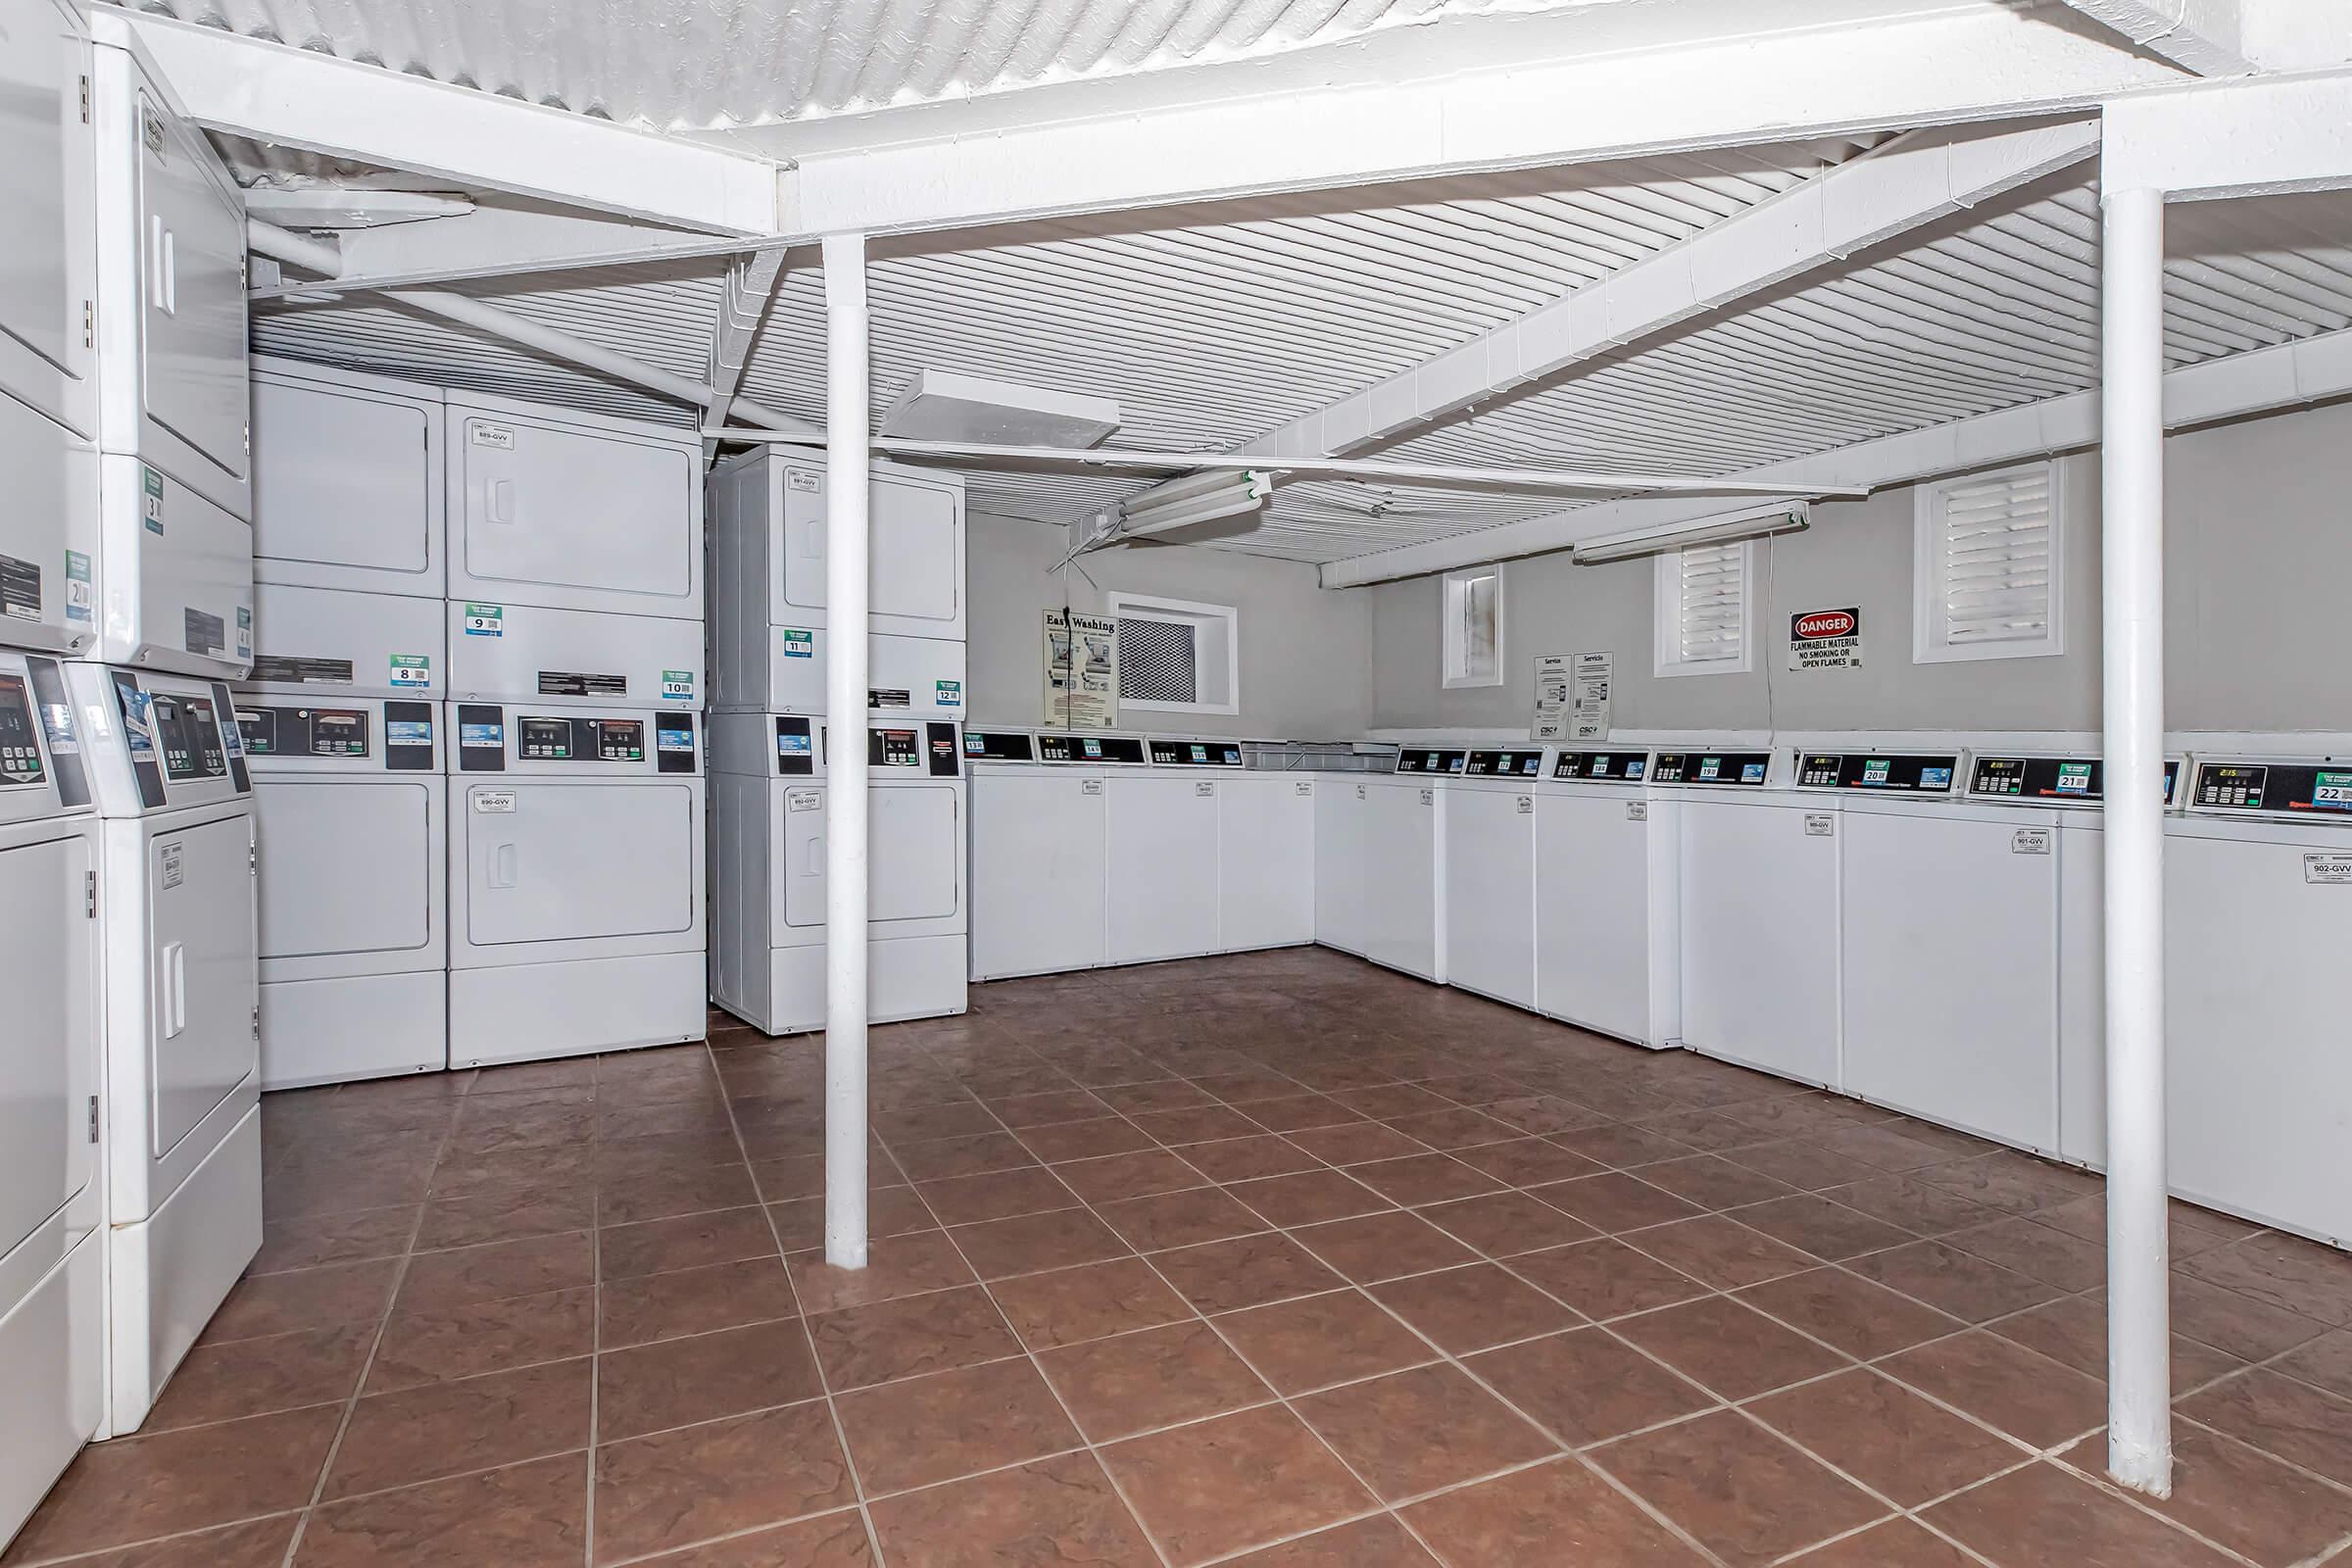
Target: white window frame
column 1153, row 606
column 1666, row 614
column 1451, row 654
column 1929, row 644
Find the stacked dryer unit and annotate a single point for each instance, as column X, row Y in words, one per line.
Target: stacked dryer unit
column 343, row 725
column 574, row 625
column 770, row 643
column 1606, row 870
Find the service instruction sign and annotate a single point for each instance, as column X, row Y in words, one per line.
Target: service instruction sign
column 1826, row 639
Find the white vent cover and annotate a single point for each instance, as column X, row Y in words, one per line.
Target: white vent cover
column 1711, row 604
column 1159, row 660
column 1987, row 566
column 940, row 405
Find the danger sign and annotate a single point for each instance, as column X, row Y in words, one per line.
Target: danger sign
column 1826, row 639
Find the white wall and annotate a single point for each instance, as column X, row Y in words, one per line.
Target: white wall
column 2259, row 563
column 1305, row 654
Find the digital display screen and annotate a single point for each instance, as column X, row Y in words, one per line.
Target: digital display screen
column 338, row 732
column 548, row 740
column 188, row 734
column 618, row 740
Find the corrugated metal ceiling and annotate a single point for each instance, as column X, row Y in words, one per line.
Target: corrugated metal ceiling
column 708, row 65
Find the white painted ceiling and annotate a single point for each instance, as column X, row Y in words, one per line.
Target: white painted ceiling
column 714, row 64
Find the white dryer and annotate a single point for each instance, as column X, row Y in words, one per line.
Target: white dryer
column 1402, row 859
column 1758, row 898
column 1162, row 832
column 770, row 807
column 52, row 1275
column 351, row 804
column 575, row 882
column 1040, row 851
column 1607, row 944
column 180, row 1107
column 768, row 619
column 1490, row 880
column 2258, row 918
column 347, row 483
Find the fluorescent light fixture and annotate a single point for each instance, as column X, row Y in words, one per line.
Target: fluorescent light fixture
column 1722, row 528
column 1194, row 499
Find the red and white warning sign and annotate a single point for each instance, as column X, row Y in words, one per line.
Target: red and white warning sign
column 1826, row 639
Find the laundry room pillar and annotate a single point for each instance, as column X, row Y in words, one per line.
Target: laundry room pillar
column 2139, row 1440
column 847, row 413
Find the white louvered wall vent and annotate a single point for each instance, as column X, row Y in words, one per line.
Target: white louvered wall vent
column 1987, row 567
column 1703, row 598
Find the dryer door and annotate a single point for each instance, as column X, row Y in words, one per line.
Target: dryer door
column 344, row 482
column 192, row 242
column 914, row 855
column 48, row 1048
column 587, row 519
column 549, row 861
column 345, row 867
column 203, row 960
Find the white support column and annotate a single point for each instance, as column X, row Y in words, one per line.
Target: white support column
column 2140, row 1434
column 846, row 557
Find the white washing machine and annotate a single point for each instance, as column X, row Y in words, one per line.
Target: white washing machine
column 347, row 483
column 575, row 881
column 171, row 333
column 768, row 622
column 2257, row 920
column 1040, row 849
column 1758, row 897
column 1489, row 881
column 351, row 808
column 1403, row 860
column 769, row 809
column 1265, row 853
column 1162, row 833
column 2082, row 924
column 1343, row 812
column 1949, row 956
column 565, row 511
column 180, row 1103
column 1607, row 946
column 52, row 1274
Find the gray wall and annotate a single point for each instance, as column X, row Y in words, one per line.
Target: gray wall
column 2259, row 565
column 1305, row 654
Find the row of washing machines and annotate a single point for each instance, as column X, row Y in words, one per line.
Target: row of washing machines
column 1922, row 929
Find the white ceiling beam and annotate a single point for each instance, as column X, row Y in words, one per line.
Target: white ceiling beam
column 743, row 300
column 1919, row 177
column 476, row 140
column 2201, row 37
column 494, row 241
column 1543, row 100
column 2240, row 138
column 2265, row 382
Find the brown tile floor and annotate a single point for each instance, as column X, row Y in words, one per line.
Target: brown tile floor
column 1278, row 1260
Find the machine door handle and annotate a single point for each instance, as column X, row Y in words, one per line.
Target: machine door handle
column 176, row 989
column 501, row 500
column 505, row 866
column 167, row 272
column 813, row 856
column 812, row 539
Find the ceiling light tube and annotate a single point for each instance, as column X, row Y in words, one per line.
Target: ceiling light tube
column 1248, row 482
column 1184, row 513
column 1755, row 522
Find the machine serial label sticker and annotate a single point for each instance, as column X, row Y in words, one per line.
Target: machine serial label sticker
column 494, row 803
column 802, row 800
column 1302, row 789
column 1636, row 810
column 1526, row 805
column 805, row 479
column 151, row 501
column 77, row 586
column 677, row 685
column 485, row 621
column 175, row 872
column 244, row 632
column 201, row 633
column 1359, row 791
column 493, row 736
column 20, row 588
column 497, row 437
column 2030, row 841
column 1089, row 786
column 948, row 694
column 1204, row 789
column 2327, row 868
column 1429, row 797
column 287, row 671
column 889, row 697
column 412, row 670
column 799, row 644
column 1820, row 825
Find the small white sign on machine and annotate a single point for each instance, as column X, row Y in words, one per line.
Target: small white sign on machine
column 2327, row 868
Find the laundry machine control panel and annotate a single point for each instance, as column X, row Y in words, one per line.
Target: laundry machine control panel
column 2302, row 789
column 1425, row 761
column 2052, row 780
column 930, row 748
column 187, row 733
column 999, row 746
column 1748, row 769
column 1602, row 768
column 1916, row 774
column 391, row 736
column 20, row 761
column 1089, row 751
column 1524, row 762
column 493, row 740
column 1195, row 754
